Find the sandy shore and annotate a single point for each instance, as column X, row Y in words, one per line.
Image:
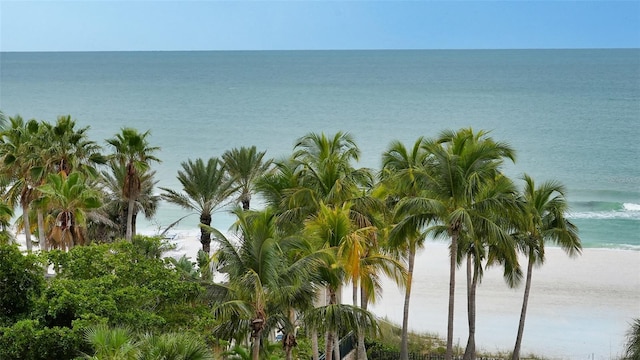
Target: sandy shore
column 579, row 308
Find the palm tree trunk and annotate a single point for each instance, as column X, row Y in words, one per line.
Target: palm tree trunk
column 330, row 336
column 205, row 236
column 523, row 313
column 472, row 285
column 354, row 297
column 315, row 352
column 361, row 350
column 129, row 233
column 336, row 337
column 134, row 221
column 328, row 349
column 289, row 338
column 452, row 290
column 44, row 246
column 404, row 344
column 27, row 226
column 256, row 346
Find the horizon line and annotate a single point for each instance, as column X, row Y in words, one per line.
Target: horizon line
column 312, row 50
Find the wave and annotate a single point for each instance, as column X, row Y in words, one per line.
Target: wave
column 605, row 210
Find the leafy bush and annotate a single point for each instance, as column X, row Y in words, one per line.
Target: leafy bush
column 21, row 280
column 27, row 340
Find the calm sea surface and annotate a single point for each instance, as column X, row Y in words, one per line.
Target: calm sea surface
column 572, row 115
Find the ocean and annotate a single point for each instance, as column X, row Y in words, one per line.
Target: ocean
column 571, row 115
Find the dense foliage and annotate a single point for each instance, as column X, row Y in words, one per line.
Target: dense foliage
column 120, row 284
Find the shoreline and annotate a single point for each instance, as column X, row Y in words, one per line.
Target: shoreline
column 578, row 307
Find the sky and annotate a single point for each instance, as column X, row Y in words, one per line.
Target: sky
column 316, row 25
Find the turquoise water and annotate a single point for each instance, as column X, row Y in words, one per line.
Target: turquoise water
column 572, row 115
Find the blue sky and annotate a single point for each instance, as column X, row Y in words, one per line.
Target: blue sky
column 274, row 25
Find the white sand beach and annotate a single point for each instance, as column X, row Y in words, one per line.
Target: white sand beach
column 579, row 308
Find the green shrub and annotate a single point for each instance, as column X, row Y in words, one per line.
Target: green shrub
column 21, row 280
column 27, row 340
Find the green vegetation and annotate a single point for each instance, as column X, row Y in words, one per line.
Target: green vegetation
column 326, row 224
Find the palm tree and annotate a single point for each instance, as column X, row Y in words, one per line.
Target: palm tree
column 112, row 182
column 132, row 150
column 492, row 211
column 542, row 219
column 403, row 176
column 245, row 165
column 458, row 164
column 21, row 167
column 206, row 188
column 111, row 344
column 333, row 232
column 72, row 199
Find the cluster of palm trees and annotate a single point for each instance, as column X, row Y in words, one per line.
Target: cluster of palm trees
column 52, row 172
column 325, row 223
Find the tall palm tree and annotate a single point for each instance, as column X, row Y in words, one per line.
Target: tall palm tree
column 492, row 211
column 245, row 165
column 333, row 232
column 116, row 208
column 542, row 220
column 72, row 199
column 403, row 176
column 133, row 151
column 458, row 163
column 21, row 167
column 206, row 188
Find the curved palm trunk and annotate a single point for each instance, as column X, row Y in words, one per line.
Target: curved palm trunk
column 523, row 313
column 205, row 236
column 404, row 345
column 452, row 290
column 129, row 233
column 27, row 226
column 472, row 285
